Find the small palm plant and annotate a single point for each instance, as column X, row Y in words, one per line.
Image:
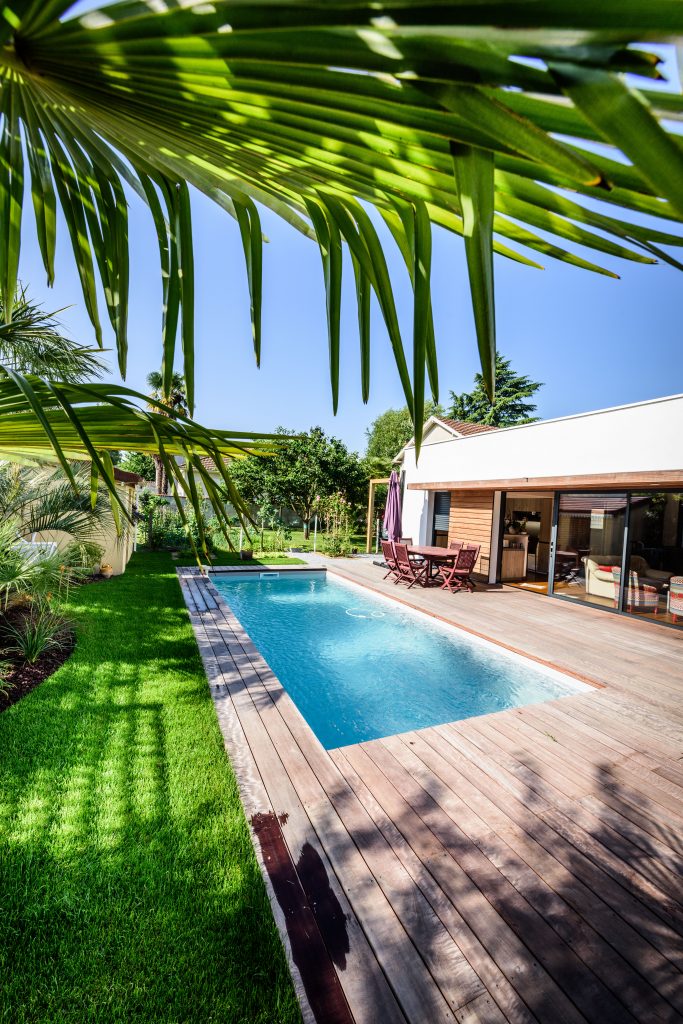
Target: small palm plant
column 41, row 500
column 37, row 632
column 32, row 342
column 35, row 581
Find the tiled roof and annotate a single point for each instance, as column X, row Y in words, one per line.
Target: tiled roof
column 124, row 477
column 464, row 428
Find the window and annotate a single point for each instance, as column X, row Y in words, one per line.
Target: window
column 442, row 512
column 654, row 588
column 589, row 547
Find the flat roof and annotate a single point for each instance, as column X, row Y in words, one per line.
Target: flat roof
column 555, row 419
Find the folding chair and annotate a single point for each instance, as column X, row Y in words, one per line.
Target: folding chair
column 390, row 559
column 458, row 575
column 410, row 571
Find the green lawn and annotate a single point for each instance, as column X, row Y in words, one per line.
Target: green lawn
column 296, row 540
column 129, row 891
column 225, row 557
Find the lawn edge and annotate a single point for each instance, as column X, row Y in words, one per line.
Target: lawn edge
column 248, row 779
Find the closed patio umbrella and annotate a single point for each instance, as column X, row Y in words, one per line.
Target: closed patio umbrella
column 392, row 513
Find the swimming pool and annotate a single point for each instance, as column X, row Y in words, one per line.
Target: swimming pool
column 359, row 666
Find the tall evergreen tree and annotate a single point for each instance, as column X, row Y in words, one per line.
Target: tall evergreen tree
column 510, row 405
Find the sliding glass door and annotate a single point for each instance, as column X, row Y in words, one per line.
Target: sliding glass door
column 654, row 587
column 527, row 529
column 589, row 547
column 622, row 551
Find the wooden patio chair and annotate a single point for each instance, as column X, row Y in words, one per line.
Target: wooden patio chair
column 455, row 545
column 390, row 559
column 410, row 571
column 457, row 575
column 414, row 558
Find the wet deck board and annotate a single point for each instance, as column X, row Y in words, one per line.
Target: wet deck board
column 522, row 866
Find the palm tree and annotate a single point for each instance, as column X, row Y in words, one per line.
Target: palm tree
column 32, row 342
column 175, row 401
column 432, row 113
column 41, row 500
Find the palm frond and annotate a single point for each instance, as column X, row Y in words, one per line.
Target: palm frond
column 32, row 342
column 47, row 420
column 40, row 499
column 316, row 111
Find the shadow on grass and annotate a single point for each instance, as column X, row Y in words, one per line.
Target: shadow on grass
column 128, row 886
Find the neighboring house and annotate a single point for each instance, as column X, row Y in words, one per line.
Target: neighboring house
column 587, row 507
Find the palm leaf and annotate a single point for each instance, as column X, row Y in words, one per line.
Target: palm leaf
column 474, row 179
column 316, row 111
column 43, row 420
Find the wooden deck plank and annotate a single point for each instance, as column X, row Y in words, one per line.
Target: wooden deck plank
column 508, row 907
column 555, row 934
column 523, row 866
column 658, row 898
column 569, row 892
column 407, row 972
column 505, row 996
column 652, row 883
column 510, row 965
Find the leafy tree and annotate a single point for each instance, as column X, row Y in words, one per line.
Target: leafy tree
column 388, row 434
column 175, row 401
column 306, row 468
column 509, row 406
column 97, row 108
column 140, row 463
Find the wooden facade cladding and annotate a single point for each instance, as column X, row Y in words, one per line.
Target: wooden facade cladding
column 471, row 519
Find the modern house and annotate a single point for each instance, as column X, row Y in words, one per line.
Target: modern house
column 582, row 508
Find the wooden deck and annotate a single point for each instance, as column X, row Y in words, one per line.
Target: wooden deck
column 522, row 866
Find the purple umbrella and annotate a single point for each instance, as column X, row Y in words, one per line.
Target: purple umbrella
column 392, row 513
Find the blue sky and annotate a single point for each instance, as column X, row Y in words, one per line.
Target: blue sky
column 593, row 341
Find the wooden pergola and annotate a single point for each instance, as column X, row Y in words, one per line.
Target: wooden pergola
column 374, row 482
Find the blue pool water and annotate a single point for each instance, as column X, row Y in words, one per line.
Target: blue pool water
column 359, row 667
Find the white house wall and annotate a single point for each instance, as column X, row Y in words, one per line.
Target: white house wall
column 629, row 439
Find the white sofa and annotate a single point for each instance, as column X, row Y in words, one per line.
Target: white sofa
column 600, row 583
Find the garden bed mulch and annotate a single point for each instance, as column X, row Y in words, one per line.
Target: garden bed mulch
column 23, row 677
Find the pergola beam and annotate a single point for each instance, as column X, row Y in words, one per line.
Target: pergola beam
column 374, row 482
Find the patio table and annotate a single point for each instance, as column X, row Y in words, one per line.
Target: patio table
column 431, row 555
